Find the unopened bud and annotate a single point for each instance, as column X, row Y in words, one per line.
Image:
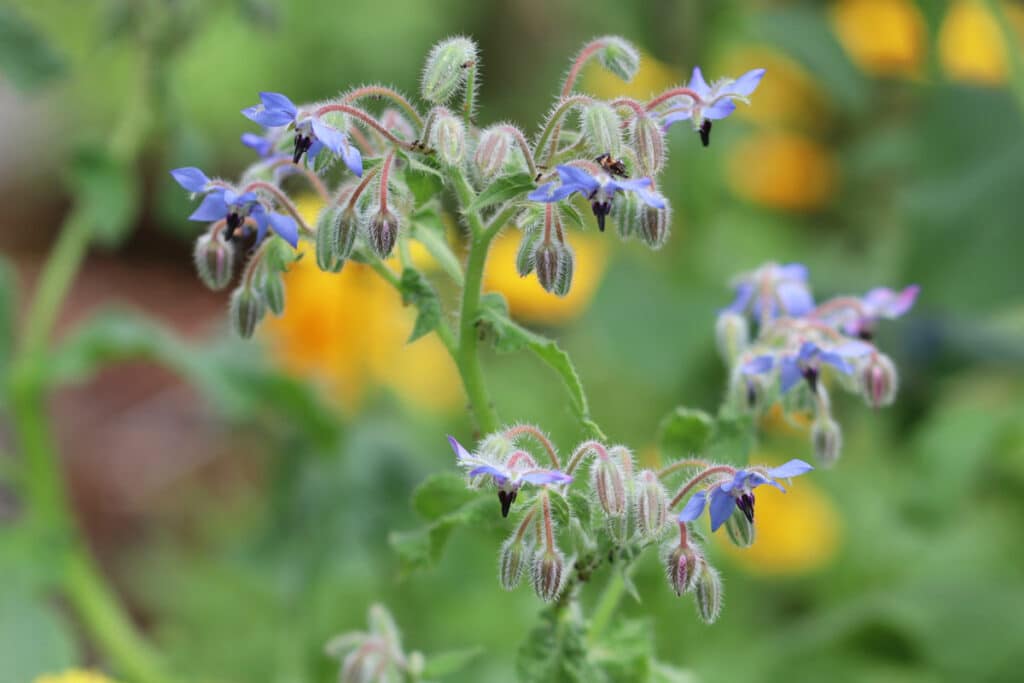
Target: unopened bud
column 446, row 69
column 654, row 225
column 547, row 259
column 626, row 214
column 449, row 139
column 491, row 152
column 651, row 504
column 879, row 380
column 362, row 664
column 602, row 129
column 495, row 447
column 272, row 290
column 245, row 310
column 382, row 231
column 527, row 247
column 732, row 335
column 682, row 564
column 215, row 258
column 827, row 440
column 566, row 268
column 548, row 574
column 608, row 486
column 335, row 237
column 649, row 145
column 620, row 57
column 511, row 563
column 740, row 529
column 707, row 593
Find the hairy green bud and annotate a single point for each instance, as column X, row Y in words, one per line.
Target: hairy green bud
column 491, row 152
column 740, row 529
column 620, row 57
column 449, row 139
column 602, row 129
column 512, row 562
column 654, row 225
column 215, row 258
column 246, row 309
column 732, row 335
column 272, row 290
column 548, row 574
column 707, row 593
column 651, row 504
column 827, row 440
column 648, row 142
column 446, row 69
column 382, row 231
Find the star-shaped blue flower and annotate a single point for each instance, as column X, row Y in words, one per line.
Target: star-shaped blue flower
column 880, row 303
column 723, row 498
column 599, row 190
column 805, row 362
column 716, row 101
column 311, row 133
column 772, row 291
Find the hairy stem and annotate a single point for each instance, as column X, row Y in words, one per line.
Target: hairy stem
column 396, row 97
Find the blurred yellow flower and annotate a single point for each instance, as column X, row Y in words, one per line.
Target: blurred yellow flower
column 796, row 532
column 884, row 37
column 652, row 77
column 74, row 676
column 788, row 96
column 782, row 170
column 971, row 45
column 778, row 421
column 527, row 300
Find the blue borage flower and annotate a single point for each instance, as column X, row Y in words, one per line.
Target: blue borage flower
column 600, row 190
column 772, row 291
column 878, row 304
column 311, row 132
column 223, row 203
column 738, row 492
column 507, row 476
column 716, row 101
column 261, row 144
column 805, row 362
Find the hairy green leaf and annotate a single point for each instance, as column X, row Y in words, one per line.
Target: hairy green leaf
column 504, row 188
column 417, row 291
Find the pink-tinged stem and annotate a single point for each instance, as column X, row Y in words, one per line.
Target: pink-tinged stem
column 588, row 51
column 637, row 108
column 684, row 539
column 385, row 174
column 524, row 146
column 549, row 529
column 674, row 467
column 384, row 92
column 313, row 178
column 525, row 524
column 718, row 469
column 520, row 456
column 673, row 92
column 595, row 447
column 368, row 120
column 367, row 177
column 530, row 430
column 839, row 304
column 282, row 199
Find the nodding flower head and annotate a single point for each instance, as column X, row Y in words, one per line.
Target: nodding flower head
column 312, row 133
column 717, row 101
column 508, row 475
column 878, row 304
column 772, row 291
column 805, row 362
column 600, row 189
column 222, row 202
column 724, row 497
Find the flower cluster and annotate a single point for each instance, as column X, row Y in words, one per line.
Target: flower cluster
column 397, row 156
column 375, row 655
column 799, row 342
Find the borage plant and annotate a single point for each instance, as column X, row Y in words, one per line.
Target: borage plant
column 570, row 515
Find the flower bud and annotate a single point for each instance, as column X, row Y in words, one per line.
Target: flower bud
column 335, row 236
column 732, row 335
column 449, row 139
column 649, row 145
column 626, row 214
column 620, row 57
column 681, row 566
column 382, row 231
column 707, row 593
column 566, row 267
column 446, row 69
column 215, row 258
column 654, row 225
column 362, row 664
column 527, row 247
column 740, row 529
column 608, row 486
column 511, row 562
column 651, row 504
column 548, row 574
column 602, row 129
column 491, row 152
column 879, row 380
column 496, row 447
column 547, row 259
column 272, row 290
column 245, row 310
column 827, row 440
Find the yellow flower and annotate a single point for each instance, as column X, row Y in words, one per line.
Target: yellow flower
column 527, row 300
column 782, row 170
column 971, row 45
column 652, row 77
column 795, row 532
column 787, row 96
column 74, row 676
column 884, row 37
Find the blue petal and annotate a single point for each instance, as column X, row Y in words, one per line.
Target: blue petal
column 285, row 227
column 698, row 84
column 719, row 110
column 836, row 361
column 499, row 476
column 190, row 178
column 540, row 477
column 675, row 117
column 886, row 303
column 353, row 159
column 793, row 271
column 260, row 144
column 808, row 350
column 651, row 198
column 631, row 184
column 570, row 175
column 212, row 208
column 744, row 291
column 721, row 506
column 795, row 298
column 267, row 119
column 332, row 138
column 793, row 468
column 747, row 83
column 542, row 193
column 460, row 451
column 789, row 374
column 756, row 479
column 260, row 216
column 275, row 101
column 853, row 349
column 759, row 365
column 694, row 507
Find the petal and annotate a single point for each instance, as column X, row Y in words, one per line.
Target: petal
column 744, row 291
column 260, row 144
column 261, row 224
column 275, row 101
column 853, row 349
column 694, row 507
column 759, row 365
column 651, row 198
column 836, row 361
column 793, row 271
column 719, row 110
column 698, row 84
column 542, row 193
column 747, row 83
column 267, row 119
column 540, row 477
column 570, row 175
column 675, row 117
column 332, row 138
column 720, row 507
column 885, row 303
column 789, row 374
column 190, row 178
column 808, row 350
column 460, row 451
column 285, row 227
column 631, row 184
column 756, row 479
column 796, row 299
column 793, row 468
column 353, row 159
column 212, row 208
column 499, row 476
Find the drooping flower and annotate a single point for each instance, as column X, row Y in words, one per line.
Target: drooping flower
column 880, row 303
column 261, row 144
column 221, row 202
column 772, row 291
column 805, row 362
column 312, row 133
column 717, row 101
column 509, row 475
column 599, row 189
column 723, row 498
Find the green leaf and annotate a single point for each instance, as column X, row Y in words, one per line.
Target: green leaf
column 34, row 640
column 417, row 291
column 555, row 651
column 732, row 439
column 625, row 651
column 450, row 662
column 684, row 432
column 429, row 230
column 440, row 494
column 422, row 548
column 106, row 192
column 26, row 57
column 424, row 181
column 503, row 189
column 510, row 336
column 8, row 312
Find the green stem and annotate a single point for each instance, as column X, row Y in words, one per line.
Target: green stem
column 606, row 606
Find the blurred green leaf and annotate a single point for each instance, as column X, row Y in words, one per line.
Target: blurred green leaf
column 732, row 438
column 428, row 229
column 683, row 432
column 33, row 639
column 447, row 663
column 441, row 493
column 625, row 650
column 106, row 191
column 417, row 291
column 26, row 56
column 504, row 188
column 555, row 651
column 424, row 181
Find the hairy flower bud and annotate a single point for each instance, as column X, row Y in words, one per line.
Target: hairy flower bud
column 682, row 563
column 620, row 57
column 626, row 214
column 336, row 231
column 272, row 290
column 648, row 141
column 827, row 440
column 740, row 529
column 566, row 268
column 449, row 139
column 707, row 593
column 525, row 254
column 491, row 152
column 608, row 486
column 602, row 129
column 511, row 562
column 215, row 258
column 651, row 504
column 732, row 335
column 382, row 231
column 245, row 311
column 547, row 259
column 548, row 574
column 654, row 225
column 446, row 68
column 879, row 380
